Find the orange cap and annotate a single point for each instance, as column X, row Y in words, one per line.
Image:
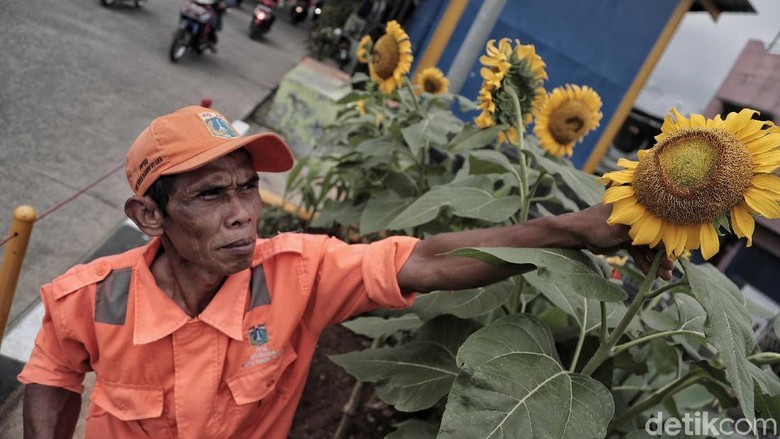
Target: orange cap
column 191, row 137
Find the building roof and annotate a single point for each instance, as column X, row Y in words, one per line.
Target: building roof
column 723, row 6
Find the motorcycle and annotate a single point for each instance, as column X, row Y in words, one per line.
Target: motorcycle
column 191, row 33
column 109, row 3
column 263, row 17
column 299, row 12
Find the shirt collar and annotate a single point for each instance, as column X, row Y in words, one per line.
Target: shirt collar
column 156, row 315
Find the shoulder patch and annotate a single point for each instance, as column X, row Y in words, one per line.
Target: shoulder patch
column 79, row 277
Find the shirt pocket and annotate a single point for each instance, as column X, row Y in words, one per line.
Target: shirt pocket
column 140, row 407
column 260, row 380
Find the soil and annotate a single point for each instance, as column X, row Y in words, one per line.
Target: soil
column 328, row 390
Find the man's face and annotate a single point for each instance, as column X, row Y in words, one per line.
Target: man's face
column 213, row 213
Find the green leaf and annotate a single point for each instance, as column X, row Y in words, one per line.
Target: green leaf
column 728, row 327
column 473, row 137
column 512, row 385
column 489, row 162
column 343, row 212
column 777, row 326
column 376, row 327
column 463, row 303
column 431, row 131
column 416, row 375
column 571, row 269
column 586, row 312
column 380, row 210
column 414, row 429
column 583, row 184
column 466, row 202
column 768, row 407
column 766, row 379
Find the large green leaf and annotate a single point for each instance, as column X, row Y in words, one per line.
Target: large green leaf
column 412, row 376
column 583, row 184
column 768, row 409
column 376, row 327
column 380, row 210
column 511, row 385
column 766, row 379
column 463, row 303
column 728, row 327
column 473, row 137
column 586, row 312
column 489, row 162
column 466, row 202
column 434, row 129
column 571, row 269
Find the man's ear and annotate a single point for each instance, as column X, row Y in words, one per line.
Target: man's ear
column 145, row 214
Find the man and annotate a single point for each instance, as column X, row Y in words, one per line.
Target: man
column 208, row 332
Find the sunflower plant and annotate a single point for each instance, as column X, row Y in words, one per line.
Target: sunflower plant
column 579, row 345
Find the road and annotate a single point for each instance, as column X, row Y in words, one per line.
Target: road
column 79, row 82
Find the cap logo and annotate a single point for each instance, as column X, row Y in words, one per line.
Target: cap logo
column 217, row 125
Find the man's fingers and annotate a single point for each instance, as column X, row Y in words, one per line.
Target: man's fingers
column 643, row 257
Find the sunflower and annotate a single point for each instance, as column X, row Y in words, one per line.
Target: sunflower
column 433, row 81
column 699, row 171
column 566, row 116
column 505, row 68
column 364, row 48
column 391, row 58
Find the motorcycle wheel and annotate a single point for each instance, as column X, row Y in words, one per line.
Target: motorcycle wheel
column 179, row 45
column 140, row 3
column 107, row 3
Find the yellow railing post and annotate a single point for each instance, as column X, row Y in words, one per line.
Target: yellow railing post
column 15, row 248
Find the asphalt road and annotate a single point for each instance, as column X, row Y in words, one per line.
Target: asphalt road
column 78, row 82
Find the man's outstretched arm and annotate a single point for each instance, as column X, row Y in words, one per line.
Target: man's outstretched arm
column 427, row 269
column 50, row 412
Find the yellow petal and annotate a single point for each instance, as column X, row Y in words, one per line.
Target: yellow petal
column 626, row 163
column 616, row 193
column 697, row 120
column 709, row 241
column 751, row 129
column 618, row 177
column 736, row 121
column 764, row 144
column 692, row 237
column 626, row 211
column 767, row 182
column 762, row 203
column 648, row 230
column 742, row 223
column 682, row 122
column 769, row 160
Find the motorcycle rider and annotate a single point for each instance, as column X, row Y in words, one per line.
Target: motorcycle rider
column 216, row 8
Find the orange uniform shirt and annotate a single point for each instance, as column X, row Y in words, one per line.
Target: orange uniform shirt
column 235, row 371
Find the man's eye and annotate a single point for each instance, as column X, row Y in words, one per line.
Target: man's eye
column 209, row 193
column 251, row 186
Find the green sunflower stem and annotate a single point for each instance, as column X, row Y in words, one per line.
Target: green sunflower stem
column 409, row 87
column 604, row 349
column 521, row 158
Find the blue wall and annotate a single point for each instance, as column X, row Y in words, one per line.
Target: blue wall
column 599, row 43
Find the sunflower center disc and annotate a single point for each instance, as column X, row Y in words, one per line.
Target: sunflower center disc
column 569, row 121
column 431, row 86
column 694, row 175
column 385, row 56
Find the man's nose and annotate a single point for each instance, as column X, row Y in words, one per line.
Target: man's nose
column 240, row 211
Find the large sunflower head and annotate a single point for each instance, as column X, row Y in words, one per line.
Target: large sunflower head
column 364, row 48
column 506, row 67
column 699, row 172
column 565, row 117
column 391, row 58
column 432, row 80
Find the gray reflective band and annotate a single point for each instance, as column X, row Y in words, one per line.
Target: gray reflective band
column 111, row 297
column 259, row 287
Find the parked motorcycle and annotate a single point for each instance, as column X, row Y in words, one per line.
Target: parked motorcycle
column 263, row 17
column 110, row 3
column 191, row 34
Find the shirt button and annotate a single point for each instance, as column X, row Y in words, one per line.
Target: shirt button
column 103, row 270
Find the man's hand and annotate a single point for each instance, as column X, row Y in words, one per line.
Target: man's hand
column 602, row 238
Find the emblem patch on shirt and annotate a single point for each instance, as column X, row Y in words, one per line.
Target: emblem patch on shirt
column 218, row 126
column 258, row 335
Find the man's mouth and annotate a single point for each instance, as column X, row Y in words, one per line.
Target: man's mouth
column 240, row 245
